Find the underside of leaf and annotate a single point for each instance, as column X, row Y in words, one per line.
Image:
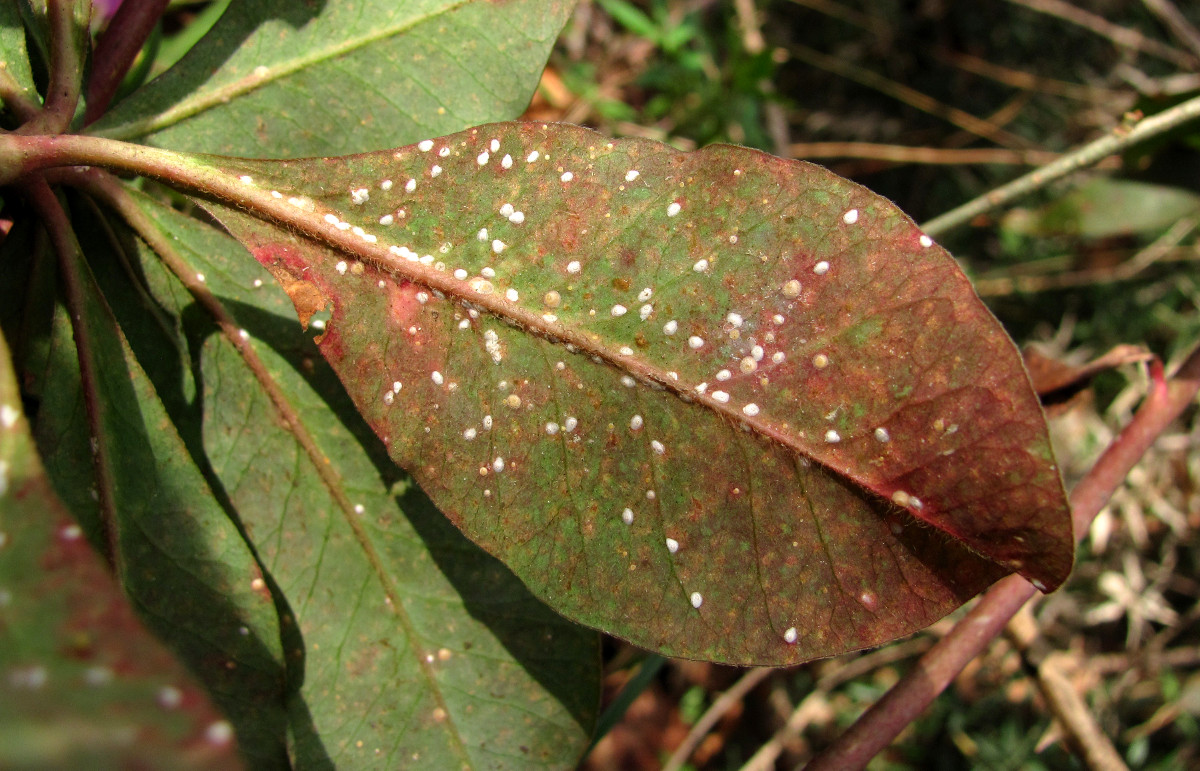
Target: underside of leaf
column 720, row 404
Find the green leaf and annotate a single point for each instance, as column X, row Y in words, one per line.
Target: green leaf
column 179, row 557
column 408, row 646
column 723, row 405
column 84, row 685
column 13, row 54
column 632, row 18
column 278, row 78
column 1105, row 207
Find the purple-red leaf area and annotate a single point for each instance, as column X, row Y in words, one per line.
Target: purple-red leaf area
column 100, row 629
column 720, row 404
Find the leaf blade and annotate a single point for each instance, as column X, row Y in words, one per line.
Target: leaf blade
column 381, row 643
column 895, row 384
column 180, row 558
column 79, row 666
column 275, row 80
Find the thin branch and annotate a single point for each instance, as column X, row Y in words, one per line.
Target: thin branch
column 1025, row 80
column 1065, row 704
column 713, row 715
column 961, row 118
column 752, row 37
column 118, row 47
column 58, row 225
column 1115, row 141
column 1122, row 37
column 924, row 155
column 872, row 24
column 878, row 726
column 1175, row 21
column 855, row 666
column 1165, row 248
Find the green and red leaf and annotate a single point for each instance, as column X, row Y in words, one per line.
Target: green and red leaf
column 75, row 662
column 720, row 404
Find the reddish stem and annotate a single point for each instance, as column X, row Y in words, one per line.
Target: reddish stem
column 878, row 726
column 62, row 92
column 118, row 47
column 67, row 248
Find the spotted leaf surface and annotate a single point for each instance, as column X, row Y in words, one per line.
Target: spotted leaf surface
column 720, row 404
column 280, row 78
column 75, row 663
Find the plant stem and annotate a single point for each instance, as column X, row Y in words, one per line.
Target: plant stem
column 66, row 68
column 876, row 728
column 67, row 248
column 118, row 47
column 1115, row 141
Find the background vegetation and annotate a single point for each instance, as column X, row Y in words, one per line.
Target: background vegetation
column 932, row 104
